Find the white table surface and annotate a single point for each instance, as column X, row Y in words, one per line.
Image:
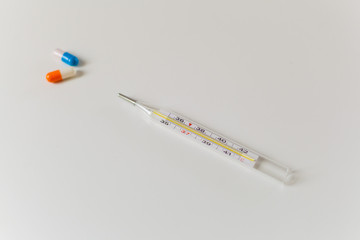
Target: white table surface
column 282, row 77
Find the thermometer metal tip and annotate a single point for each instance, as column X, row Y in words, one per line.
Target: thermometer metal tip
column 146, row 109
column 130, row 100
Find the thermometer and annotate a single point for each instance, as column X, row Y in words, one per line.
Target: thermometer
column 217, row 142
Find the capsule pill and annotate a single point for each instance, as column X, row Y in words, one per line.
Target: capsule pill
column 66, row 57
column 59, row 75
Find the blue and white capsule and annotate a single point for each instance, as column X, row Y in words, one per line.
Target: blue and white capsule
column 66, row 57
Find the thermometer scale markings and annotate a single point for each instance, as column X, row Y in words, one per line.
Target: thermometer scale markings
column 177, row 121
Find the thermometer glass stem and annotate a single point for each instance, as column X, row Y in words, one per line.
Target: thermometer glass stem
column 217, row 142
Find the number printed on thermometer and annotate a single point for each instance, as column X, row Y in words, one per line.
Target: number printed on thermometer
column 206, row 137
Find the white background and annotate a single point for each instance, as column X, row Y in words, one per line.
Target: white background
column 281, row 76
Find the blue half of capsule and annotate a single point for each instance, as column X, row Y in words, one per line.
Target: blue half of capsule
column 70, row 59
column 66, row 57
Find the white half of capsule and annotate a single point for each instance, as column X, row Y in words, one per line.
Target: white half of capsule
column 58, row 53
column 67, row 73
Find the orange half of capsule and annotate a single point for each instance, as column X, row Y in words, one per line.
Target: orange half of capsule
column 54, row 76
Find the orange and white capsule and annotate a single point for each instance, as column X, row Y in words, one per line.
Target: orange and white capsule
column 59, row 75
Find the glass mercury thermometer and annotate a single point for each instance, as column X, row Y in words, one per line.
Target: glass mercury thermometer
column 217, row 142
